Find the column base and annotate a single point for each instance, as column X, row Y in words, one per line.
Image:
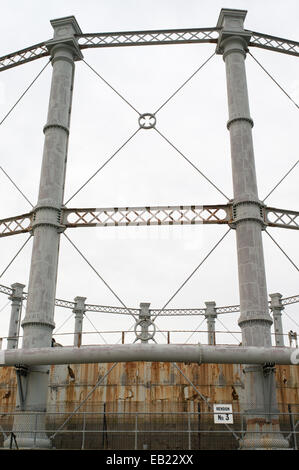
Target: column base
column 264, row 441
column 29, row 432
column 28, row 444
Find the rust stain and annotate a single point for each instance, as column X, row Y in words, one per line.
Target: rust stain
column 149, row 386
column 261, row 422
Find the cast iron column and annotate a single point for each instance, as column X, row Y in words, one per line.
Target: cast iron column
column 39, row 319
column 211, row 316
column 255, row 321
column 15, row 316
column 277, row 307
column 79, row 311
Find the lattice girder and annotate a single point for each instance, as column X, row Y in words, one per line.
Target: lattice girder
column 17, row 224
column 281, row 218
column 150, row 37
column 273, row 43
column 155, row 215
column 161, row 215
column 23, row 56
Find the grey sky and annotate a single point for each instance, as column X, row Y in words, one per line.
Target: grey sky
column 149, row 263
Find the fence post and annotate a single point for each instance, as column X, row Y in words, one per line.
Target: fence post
column 189, row 431
column 83, row 432
column 136, row 432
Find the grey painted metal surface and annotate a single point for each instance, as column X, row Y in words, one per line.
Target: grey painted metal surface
column 79, row 310
column 211, row 316
column 39, row 319
column 15, row 316
column 249, row 217
column 277, row 308
column 154, row 215
column 152, row 37
column 255, row 321
column 218, row 354
column 166, row 312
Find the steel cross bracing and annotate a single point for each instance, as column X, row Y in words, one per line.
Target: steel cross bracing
column 142, row 38
column 155, row 215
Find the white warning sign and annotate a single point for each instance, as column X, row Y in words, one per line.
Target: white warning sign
column 223, row 414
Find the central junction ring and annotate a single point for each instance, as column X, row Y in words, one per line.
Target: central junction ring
column 147, row 121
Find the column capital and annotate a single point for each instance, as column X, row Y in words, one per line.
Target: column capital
column 276, row 301
column 144, row 310
column 231, row 23
column 65, row 30
column 17, row 291
column 210, row 309
column 79, row 304
column 65, row 27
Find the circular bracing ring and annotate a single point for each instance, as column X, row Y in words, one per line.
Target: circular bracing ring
column 147, row 121
column 145, row 334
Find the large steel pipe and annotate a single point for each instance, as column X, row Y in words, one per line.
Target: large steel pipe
column 150, row 352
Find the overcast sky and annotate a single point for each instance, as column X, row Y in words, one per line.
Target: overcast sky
column 148, row 264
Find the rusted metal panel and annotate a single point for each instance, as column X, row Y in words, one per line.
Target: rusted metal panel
column 153, row 386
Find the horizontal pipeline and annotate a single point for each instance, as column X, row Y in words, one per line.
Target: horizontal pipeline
column 151, row 353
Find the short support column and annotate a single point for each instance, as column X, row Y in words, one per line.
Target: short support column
column 255, row 321
column 46, row 228
column 277, row 308
column 211, row 316
column 16, row 298
column 79, row 311
column 143, row 325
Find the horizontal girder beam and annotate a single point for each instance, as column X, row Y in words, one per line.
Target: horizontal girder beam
column 199, row 354
column 281, row 218
column 274, row 43
column 153, row 312
column 23, row 56
column 155, row 215
column 17, row 224
column 150, row 37
column 146, row 216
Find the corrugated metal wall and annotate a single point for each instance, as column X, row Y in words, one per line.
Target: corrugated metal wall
column 159, row 394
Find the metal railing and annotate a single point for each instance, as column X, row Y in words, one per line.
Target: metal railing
column 143, row 430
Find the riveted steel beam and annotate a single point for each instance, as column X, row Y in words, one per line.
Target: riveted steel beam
column 155, row 215
column 284, row 218
column 23, row 56
column 16, row 224
column 274, row 43
column 158, row 215
column 147, row 38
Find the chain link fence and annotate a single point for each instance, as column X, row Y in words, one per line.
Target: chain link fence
column 137, row 430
